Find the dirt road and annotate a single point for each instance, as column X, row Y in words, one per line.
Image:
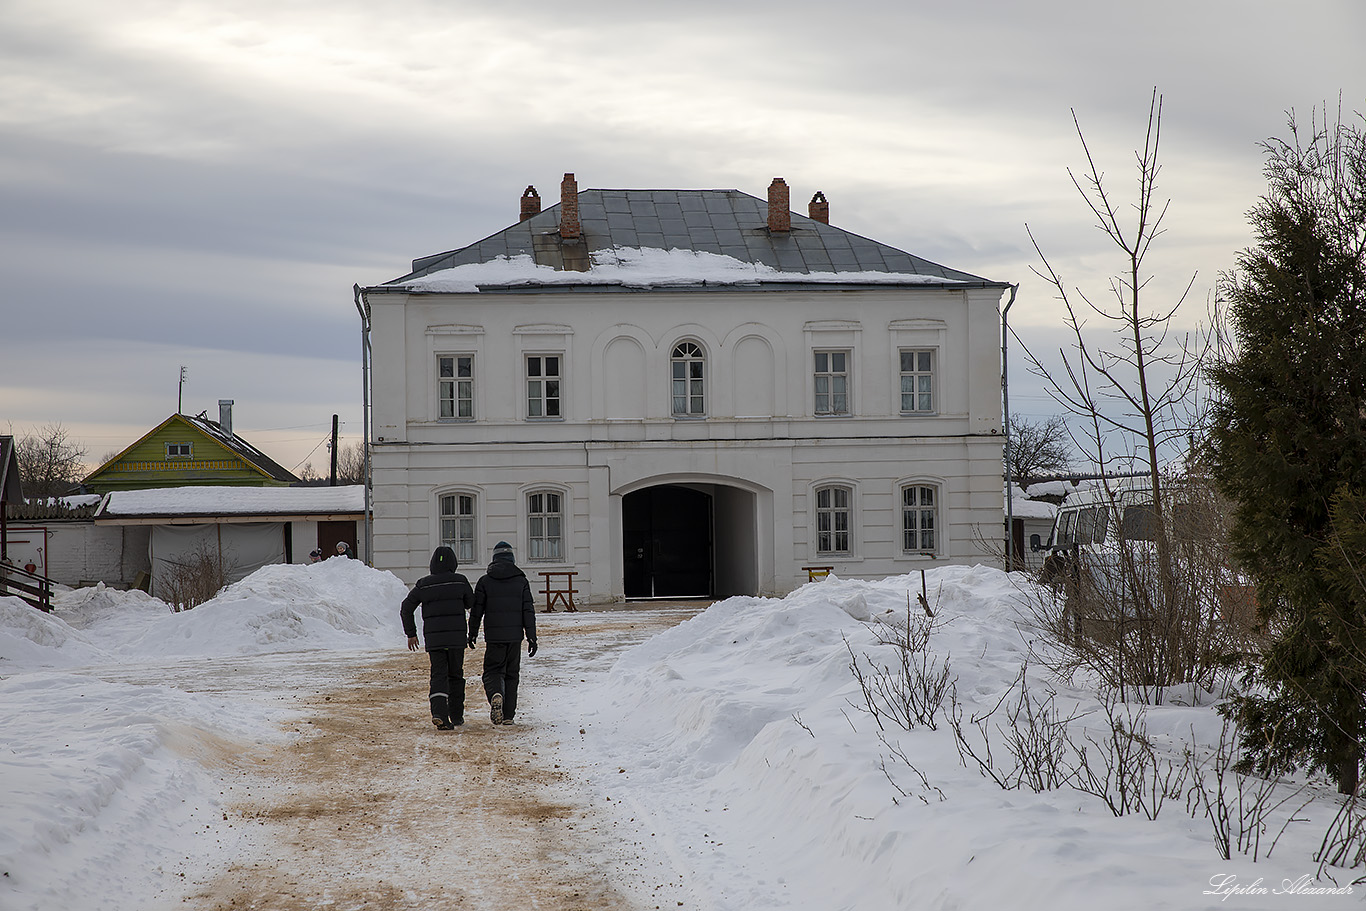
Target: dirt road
column 372, row 808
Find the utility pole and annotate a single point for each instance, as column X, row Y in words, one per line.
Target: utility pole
column 333, row 482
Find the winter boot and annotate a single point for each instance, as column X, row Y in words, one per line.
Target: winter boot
column 441, row 712
column 496, row 708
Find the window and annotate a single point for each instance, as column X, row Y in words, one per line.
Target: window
column 543, row 386
column 455, row 386
column 688, row 370
column 457, row 525
column 545, row 524
column 919, row 519
column 832, row 520
column 917, row 381
column 832, row 382
column 178, row 450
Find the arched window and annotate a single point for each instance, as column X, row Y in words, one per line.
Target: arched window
column 458, row 524
column 919, row 519
column 687, row 367
column 833, row 520
column 545, row 525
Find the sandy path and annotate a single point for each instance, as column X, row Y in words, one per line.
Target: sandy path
column 373, row 808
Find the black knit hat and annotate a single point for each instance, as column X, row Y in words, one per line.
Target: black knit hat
column 502, row 547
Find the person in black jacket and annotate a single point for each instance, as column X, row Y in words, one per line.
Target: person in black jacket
column 445, row 595
column 502, row 599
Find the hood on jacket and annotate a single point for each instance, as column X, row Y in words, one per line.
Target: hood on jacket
column 443, row 560
column 504, row 569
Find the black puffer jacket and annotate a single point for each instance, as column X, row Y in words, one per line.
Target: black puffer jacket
column 445, row 595
column 502, row 599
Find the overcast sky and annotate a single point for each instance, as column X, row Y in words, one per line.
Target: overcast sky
column 200, row 184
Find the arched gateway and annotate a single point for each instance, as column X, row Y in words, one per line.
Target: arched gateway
column 689, row 540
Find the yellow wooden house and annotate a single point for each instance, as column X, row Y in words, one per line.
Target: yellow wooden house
column 185, row 451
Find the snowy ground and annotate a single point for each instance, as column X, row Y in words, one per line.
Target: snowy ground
column 273, row 743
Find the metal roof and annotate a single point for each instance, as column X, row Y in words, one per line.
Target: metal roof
column 725, row 222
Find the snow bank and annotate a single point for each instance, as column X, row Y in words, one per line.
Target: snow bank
column 740, row 740
column 106, row 789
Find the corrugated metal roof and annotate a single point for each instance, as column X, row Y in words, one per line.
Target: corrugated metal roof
column 725, row 222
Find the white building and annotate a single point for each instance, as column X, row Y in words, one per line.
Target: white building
column 683, row 393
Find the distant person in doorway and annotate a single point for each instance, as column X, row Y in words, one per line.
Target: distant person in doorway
column 444, row 597
column 503, row 601
column 344, row 550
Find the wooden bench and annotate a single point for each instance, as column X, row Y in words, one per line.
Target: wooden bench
column 817, row 572
column 559, row 590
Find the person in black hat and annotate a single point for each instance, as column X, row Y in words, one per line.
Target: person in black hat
column 503, row 601
column 444, row 596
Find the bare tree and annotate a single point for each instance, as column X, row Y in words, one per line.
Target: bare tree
column 50, row 462
column 1038, row 449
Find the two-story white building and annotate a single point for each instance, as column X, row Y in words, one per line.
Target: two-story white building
column 685, row 393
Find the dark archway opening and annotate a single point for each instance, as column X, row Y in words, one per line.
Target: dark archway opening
column 667, row 539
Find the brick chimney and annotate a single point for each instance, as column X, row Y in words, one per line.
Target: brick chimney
column 531, row 203
column 779, row 207
column 569, row 208
column 225, row 415
column 819, row 209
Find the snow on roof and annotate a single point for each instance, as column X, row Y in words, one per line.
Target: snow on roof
column 212, row 501
column 643, row 267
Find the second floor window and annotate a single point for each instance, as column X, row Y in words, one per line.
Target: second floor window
column 832, row 520
column 832, row 382
column 455, row 386
column 917, row 382
column 545, row 525
column 177, row 450
column 543, row 386
column 457, row 525
column 688, row 380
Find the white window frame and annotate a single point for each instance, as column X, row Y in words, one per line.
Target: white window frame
column 543, row 545
column 830, row 375
column 455, row 382
column 539, row 401
column 913, row 517
column 923, row 381
column 173, row 452
column 464, row 539
column 689, row 357
column 826, row 540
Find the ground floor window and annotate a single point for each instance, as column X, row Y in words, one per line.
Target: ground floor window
column 919, row 519
column 545, row 526
column 832, row 520
column 457, row 525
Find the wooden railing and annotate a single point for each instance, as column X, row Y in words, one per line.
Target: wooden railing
column 34, row 588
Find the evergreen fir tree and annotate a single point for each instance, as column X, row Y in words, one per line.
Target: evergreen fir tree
column 1288, row 446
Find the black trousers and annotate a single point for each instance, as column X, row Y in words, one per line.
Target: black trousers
column 448, row 678
column 502, row 669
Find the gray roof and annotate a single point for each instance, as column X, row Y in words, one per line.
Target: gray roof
column 725, row 222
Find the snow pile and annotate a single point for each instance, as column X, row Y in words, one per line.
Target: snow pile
column 741, row 740
column 643, row 267
column 334, row 604
column 106, row 786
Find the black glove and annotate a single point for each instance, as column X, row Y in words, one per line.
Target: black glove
column 474, row 640
column 530, row 647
